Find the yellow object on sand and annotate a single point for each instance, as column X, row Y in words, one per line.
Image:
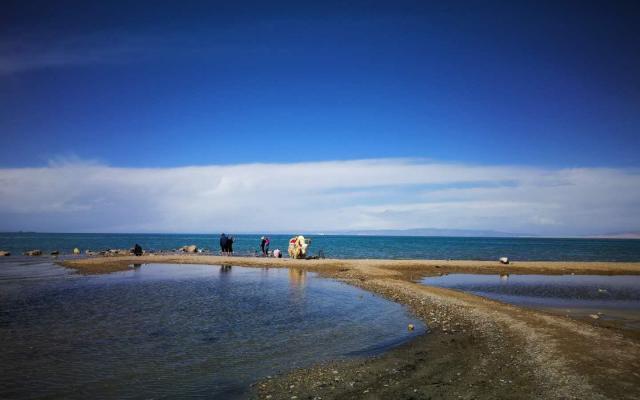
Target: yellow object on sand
column 298, row 247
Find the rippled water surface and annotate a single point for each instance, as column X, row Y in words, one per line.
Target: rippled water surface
column 615, row 297
column 164, row 331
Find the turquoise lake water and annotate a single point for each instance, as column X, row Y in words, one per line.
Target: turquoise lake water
column 333, row 246
column 177, row 331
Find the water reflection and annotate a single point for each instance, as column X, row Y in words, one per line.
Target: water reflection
column 297, row 278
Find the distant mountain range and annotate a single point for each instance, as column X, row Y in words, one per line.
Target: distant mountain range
column 618, row 235
column 395, row 232
column 471, row 233
column 432, row 232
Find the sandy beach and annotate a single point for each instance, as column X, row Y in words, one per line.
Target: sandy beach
column 476, row 348
column 369, row 267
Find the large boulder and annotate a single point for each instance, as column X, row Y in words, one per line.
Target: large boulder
column 4, row 254
column 33, row 253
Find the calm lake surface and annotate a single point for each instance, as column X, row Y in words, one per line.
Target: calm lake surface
column 188, row 331
column 333, row 246
column 614, row 297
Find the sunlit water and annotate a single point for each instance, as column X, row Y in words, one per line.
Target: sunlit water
column 165, row 331
column 613, row 297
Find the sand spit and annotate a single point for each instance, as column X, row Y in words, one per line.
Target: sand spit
column 476, row 349
column 416, row 268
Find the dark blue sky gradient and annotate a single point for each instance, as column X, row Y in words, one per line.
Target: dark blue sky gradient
column 189, row 83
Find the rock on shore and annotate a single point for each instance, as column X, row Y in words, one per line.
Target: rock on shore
column 4, row 254
column 190, row 249
column 117, row 252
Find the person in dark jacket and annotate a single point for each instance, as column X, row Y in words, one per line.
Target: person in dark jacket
column 224, row 244
column 263, row 242
column 230, row 245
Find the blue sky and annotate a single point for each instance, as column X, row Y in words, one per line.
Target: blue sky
column 549, row 87
column 554, row 83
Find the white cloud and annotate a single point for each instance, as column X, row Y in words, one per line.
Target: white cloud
column 320, row 196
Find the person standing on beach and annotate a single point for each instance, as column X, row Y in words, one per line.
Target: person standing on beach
column 263, row 242
column 266, row 246
column 224, row 244
column 230, row 245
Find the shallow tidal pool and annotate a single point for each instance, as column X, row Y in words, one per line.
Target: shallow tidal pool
column 164, row 331
column 614, row 298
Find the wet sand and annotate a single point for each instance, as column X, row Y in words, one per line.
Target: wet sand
column 477, row 348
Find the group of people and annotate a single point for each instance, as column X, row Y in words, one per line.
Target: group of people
column 264, row 247
column 226, row 246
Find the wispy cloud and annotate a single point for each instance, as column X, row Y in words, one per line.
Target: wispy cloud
column 27, row 52
column 24, row 53
column 361, row 194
